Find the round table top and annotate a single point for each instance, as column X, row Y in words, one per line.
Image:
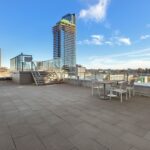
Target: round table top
column 106, row 82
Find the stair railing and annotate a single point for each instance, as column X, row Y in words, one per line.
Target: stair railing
column 35, row 73
column 34, row 68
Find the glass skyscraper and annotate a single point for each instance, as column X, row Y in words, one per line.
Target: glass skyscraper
column 0, row 58
column 64, row 42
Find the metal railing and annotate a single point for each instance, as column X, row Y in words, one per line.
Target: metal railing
column 48, row 65
column 141, row 78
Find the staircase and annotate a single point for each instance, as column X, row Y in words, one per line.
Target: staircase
column 37, row 78
column 45, row 78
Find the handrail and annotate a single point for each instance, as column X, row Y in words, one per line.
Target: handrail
column 33, row 64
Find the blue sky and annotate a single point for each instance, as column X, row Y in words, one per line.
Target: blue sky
column 110, row 33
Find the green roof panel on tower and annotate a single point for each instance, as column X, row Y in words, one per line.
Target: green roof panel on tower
column 65, row 21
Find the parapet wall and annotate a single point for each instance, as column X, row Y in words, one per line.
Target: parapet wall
column 82, row 83
column 22, row 77
column 141, row 90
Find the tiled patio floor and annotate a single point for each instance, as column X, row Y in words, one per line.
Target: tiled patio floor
column 64, row 117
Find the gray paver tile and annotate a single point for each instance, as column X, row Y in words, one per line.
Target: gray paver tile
column 69, row 117
column 133, row 148
column 136, row 141
column 6, row 143
column 19, row 130
column 29, row 142
column 66, row 129
column 111, row 141
column 72, row 120
column 147, row 136
column 4, row 129
column 84, row 143
column 129, row 127
column 35, row 119
column 53, row 119
column 88, row 130
column 44, row 129
column 14, row 117
column 57, row 142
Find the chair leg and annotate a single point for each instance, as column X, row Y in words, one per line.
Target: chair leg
column 110, row 95
column 129, row 93
column 98, row 90
column 121, row 97
column 133, row 92
column 126, row 96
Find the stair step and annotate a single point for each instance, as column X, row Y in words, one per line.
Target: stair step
column 44, row 78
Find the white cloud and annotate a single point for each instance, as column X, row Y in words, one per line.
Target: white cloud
column 94, row 40
column 97, row 39
column 100, row 40
column 124, row 40
column 96, row 12
column 127, row 54
column 134, row 59
column 109, row 43
column 120, row 40
column 118, row 64
column 144, row 37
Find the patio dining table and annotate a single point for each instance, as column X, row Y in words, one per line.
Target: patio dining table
column 104, row 83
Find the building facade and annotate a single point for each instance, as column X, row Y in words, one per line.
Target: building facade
column 64, row 42
column 0, row 58
column 21, row 62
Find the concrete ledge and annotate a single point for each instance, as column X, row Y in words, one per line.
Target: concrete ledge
column 82, row 83
column 141, row 90
column 22, row 77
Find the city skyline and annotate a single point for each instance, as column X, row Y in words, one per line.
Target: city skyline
column 110, row 33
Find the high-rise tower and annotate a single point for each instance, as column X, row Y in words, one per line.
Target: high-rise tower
column 64, row 41
column 0, row 58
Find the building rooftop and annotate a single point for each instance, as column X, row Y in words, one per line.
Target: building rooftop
column 65, row 117
column 65, row 22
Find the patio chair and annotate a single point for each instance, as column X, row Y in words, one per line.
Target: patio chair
column 95, row 86
column 115, row 85
column 121, row 90
column 111, row 94
column 130, row 88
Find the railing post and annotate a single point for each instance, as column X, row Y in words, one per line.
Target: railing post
column 22, row 66
column 78, row 80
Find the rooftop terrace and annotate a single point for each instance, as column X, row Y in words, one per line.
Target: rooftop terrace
column 65, row 117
